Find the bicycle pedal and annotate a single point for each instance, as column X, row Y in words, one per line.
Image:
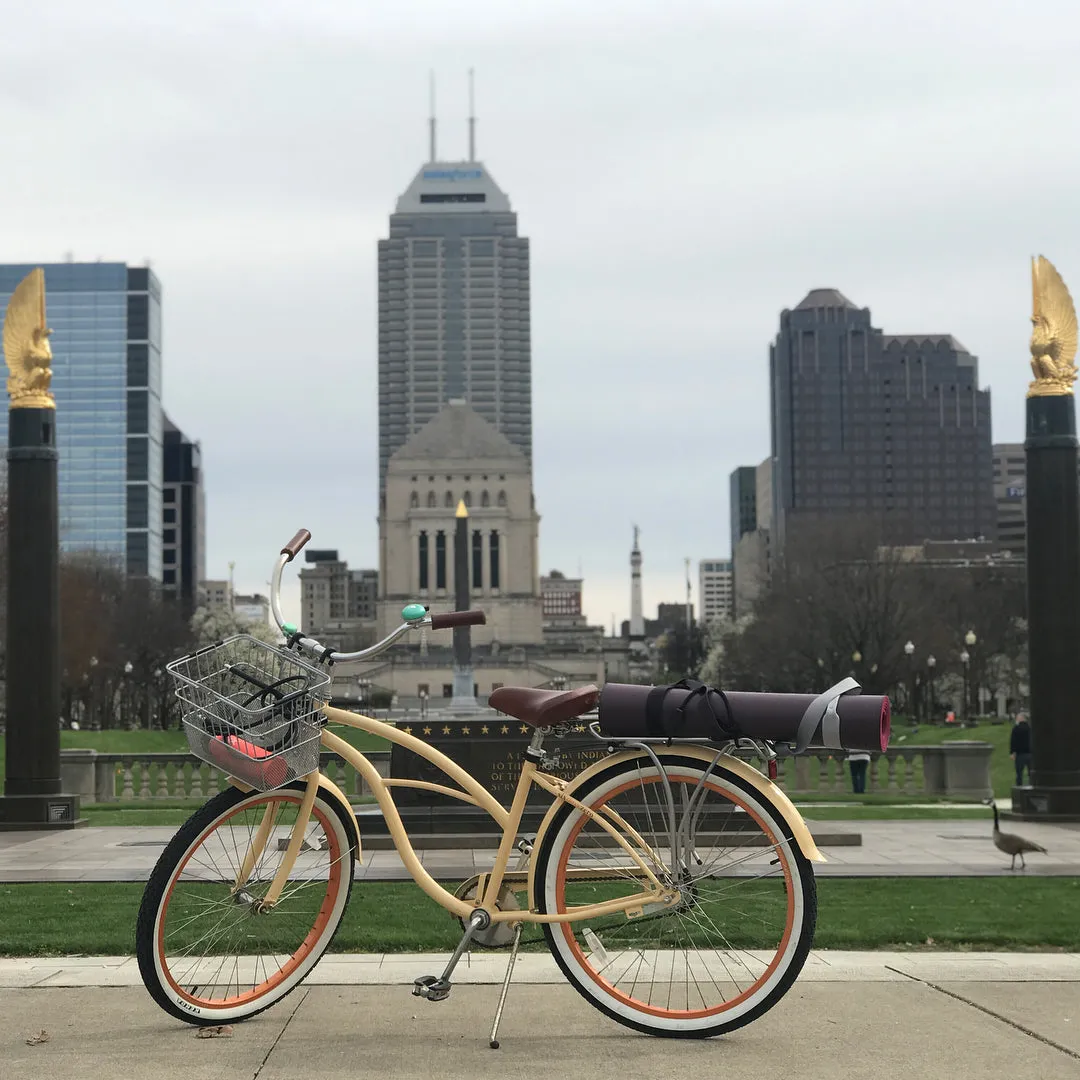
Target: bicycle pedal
column 431, row 987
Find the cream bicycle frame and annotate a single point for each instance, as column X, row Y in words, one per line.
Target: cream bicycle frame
column 472, row 792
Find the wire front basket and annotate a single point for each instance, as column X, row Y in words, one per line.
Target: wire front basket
column 252, row 709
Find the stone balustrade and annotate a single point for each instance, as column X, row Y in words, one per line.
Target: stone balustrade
column 955, row 770
column 98, row 777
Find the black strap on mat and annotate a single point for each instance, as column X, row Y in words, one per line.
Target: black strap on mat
column 654, row 710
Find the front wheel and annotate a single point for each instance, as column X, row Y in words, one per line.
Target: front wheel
column 210, row 951
column 739, row 934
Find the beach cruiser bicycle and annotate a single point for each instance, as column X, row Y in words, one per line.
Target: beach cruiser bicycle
column 671, row 881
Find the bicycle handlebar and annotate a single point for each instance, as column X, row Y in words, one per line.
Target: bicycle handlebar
column 447, row 619
column 296, row 544
column 416, row 615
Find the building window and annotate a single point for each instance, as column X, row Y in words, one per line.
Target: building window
column 168, row 577
column 422, row 548
column 449, row 500
column 138, row 412
column 414, row 501
column 496, row 686
column 447, row 689
column 169, row 514
column 477, row 559
column 485, row 499
column 431, row 500
column 168, row 536
column 440, row 560
column 468, row 498
column 493, row 577
column 169, row 495
column 502, row 498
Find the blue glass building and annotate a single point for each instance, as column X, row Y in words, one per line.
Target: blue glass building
column 106, row 343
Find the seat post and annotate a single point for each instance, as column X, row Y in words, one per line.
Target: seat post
column 537, row 740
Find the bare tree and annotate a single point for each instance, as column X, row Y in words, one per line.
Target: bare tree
column 842, row 603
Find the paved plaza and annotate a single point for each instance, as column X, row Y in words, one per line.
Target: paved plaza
column 942, row 848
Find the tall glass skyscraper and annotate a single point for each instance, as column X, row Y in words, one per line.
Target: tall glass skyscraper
column 453, row 308
column 106, row 343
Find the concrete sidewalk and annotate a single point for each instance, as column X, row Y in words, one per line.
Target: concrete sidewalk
column 949, row 848
column 895, row 1016
column 539, row 968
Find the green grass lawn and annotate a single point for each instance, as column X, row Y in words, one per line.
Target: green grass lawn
column 986, row 913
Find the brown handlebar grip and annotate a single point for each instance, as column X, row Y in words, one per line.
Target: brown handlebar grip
column 296, row 544
column 449, row 619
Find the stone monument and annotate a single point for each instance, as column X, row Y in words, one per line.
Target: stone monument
column 463, row 699
column 1053, row 556
column 32, row 787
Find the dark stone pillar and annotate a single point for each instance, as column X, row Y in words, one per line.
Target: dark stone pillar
column 1053, row 582
column 464, row 699
column 32, row 788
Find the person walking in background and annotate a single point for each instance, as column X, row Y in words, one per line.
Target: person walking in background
column 1020, row 748
column 859, row 763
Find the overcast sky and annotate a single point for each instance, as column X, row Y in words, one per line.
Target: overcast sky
column 684, row 170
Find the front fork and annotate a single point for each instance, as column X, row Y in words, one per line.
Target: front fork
column 262, row 837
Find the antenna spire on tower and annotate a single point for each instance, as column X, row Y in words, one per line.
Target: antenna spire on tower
column 472, row 118
column 431, row 116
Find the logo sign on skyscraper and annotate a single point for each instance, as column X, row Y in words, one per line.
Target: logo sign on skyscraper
column 453, row 174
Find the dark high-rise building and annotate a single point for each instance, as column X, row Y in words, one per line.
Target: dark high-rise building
column 106, row 344
column 453, row 308
column 183, row 517
column 894, row 427
column 743, row 502
column 1010, row 495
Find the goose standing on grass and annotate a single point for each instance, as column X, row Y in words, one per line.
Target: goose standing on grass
column 1010, row 843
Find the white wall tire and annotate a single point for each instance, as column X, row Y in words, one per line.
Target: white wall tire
column 582, row 971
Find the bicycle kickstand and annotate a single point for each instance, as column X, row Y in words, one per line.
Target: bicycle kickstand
column 493, row 1042
column 437, row 987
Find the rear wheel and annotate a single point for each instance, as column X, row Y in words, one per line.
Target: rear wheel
column 739, row 935
column 210, row 952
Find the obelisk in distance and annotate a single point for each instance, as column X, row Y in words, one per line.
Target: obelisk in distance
column 637, row 618
column 32, row 785
column 464, row 696
column 1053, row 556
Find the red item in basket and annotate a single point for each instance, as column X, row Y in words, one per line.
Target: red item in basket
column 242, row 759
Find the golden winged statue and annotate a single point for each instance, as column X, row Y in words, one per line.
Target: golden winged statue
column 26, row 345
column 1053, row 341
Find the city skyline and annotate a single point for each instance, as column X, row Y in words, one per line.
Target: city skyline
column 667, row 233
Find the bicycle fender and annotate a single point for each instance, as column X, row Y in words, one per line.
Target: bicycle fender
column 735, row 765
column 333, row 792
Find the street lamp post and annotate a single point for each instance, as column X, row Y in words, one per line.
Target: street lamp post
column 965, row 659
column 969, row 642
column 909, row 652
column 125, row 693
column 931, row 663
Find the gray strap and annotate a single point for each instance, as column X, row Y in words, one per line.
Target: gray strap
column 823, row 710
